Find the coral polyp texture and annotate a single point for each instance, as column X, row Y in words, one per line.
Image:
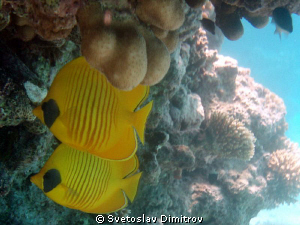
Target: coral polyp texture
column 284, row 173
column 215, row 143
column 166, row 14
column 127, row 52
column 226, row 137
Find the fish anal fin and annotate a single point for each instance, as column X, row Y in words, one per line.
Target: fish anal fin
column 134, row 98
column 130, row 185
column 124, row 149
column 140, row 119
column 126, row 168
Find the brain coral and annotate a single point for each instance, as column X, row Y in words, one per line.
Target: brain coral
column 226, row 137
column 284, row 173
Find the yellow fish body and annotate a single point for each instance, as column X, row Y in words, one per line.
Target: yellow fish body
column 80, row 180
column 83, row 110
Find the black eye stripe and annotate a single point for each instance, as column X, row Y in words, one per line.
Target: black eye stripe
column 51, row 179
column 51, row 112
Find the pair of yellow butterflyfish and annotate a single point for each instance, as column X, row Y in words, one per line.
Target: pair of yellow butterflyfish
column 94, row 168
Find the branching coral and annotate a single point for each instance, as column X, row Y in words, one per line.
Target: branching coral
column 226, row 137
column 284, row 174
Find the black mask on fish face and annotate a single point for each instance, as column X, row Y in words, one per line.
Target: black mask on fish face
column 51, row 112
column 51, row 179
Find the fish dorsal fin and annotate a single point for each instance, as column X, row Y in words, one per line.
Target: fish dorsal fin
column 78, row 62
column 134, row 98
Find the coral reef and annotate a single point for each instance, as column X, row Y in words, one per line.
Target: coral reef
column 201, row 93
column 225, row 137
column 125, row 51
column 51, row 20
column 166, row 15
column 283, row 174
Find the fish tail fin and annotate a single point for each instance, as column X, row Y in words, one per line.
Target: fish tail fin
column 130, row 185
column 134, row 98
column 140, row 119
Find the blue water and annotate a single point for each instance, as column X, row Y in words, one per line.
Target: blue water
column 274, row 63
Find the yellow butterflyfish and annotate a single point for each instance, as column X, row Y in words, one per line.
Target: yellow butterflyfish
column 83, row 110
column 80, row 180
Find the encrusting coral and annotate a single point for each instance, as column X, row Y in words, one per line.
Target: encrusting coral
column 230, row 24
column 284, row 174
column 226, row 137
column 171, row 40
column 51, row 20
column 158, row 58
column 165, row 14
column 256, row 21
column 125, row 51
column 118, row 50
column 165, row 17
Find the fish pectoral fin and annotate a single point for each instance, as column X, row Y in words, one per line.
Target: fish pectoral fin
column 124, row 149
column 130, row 185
